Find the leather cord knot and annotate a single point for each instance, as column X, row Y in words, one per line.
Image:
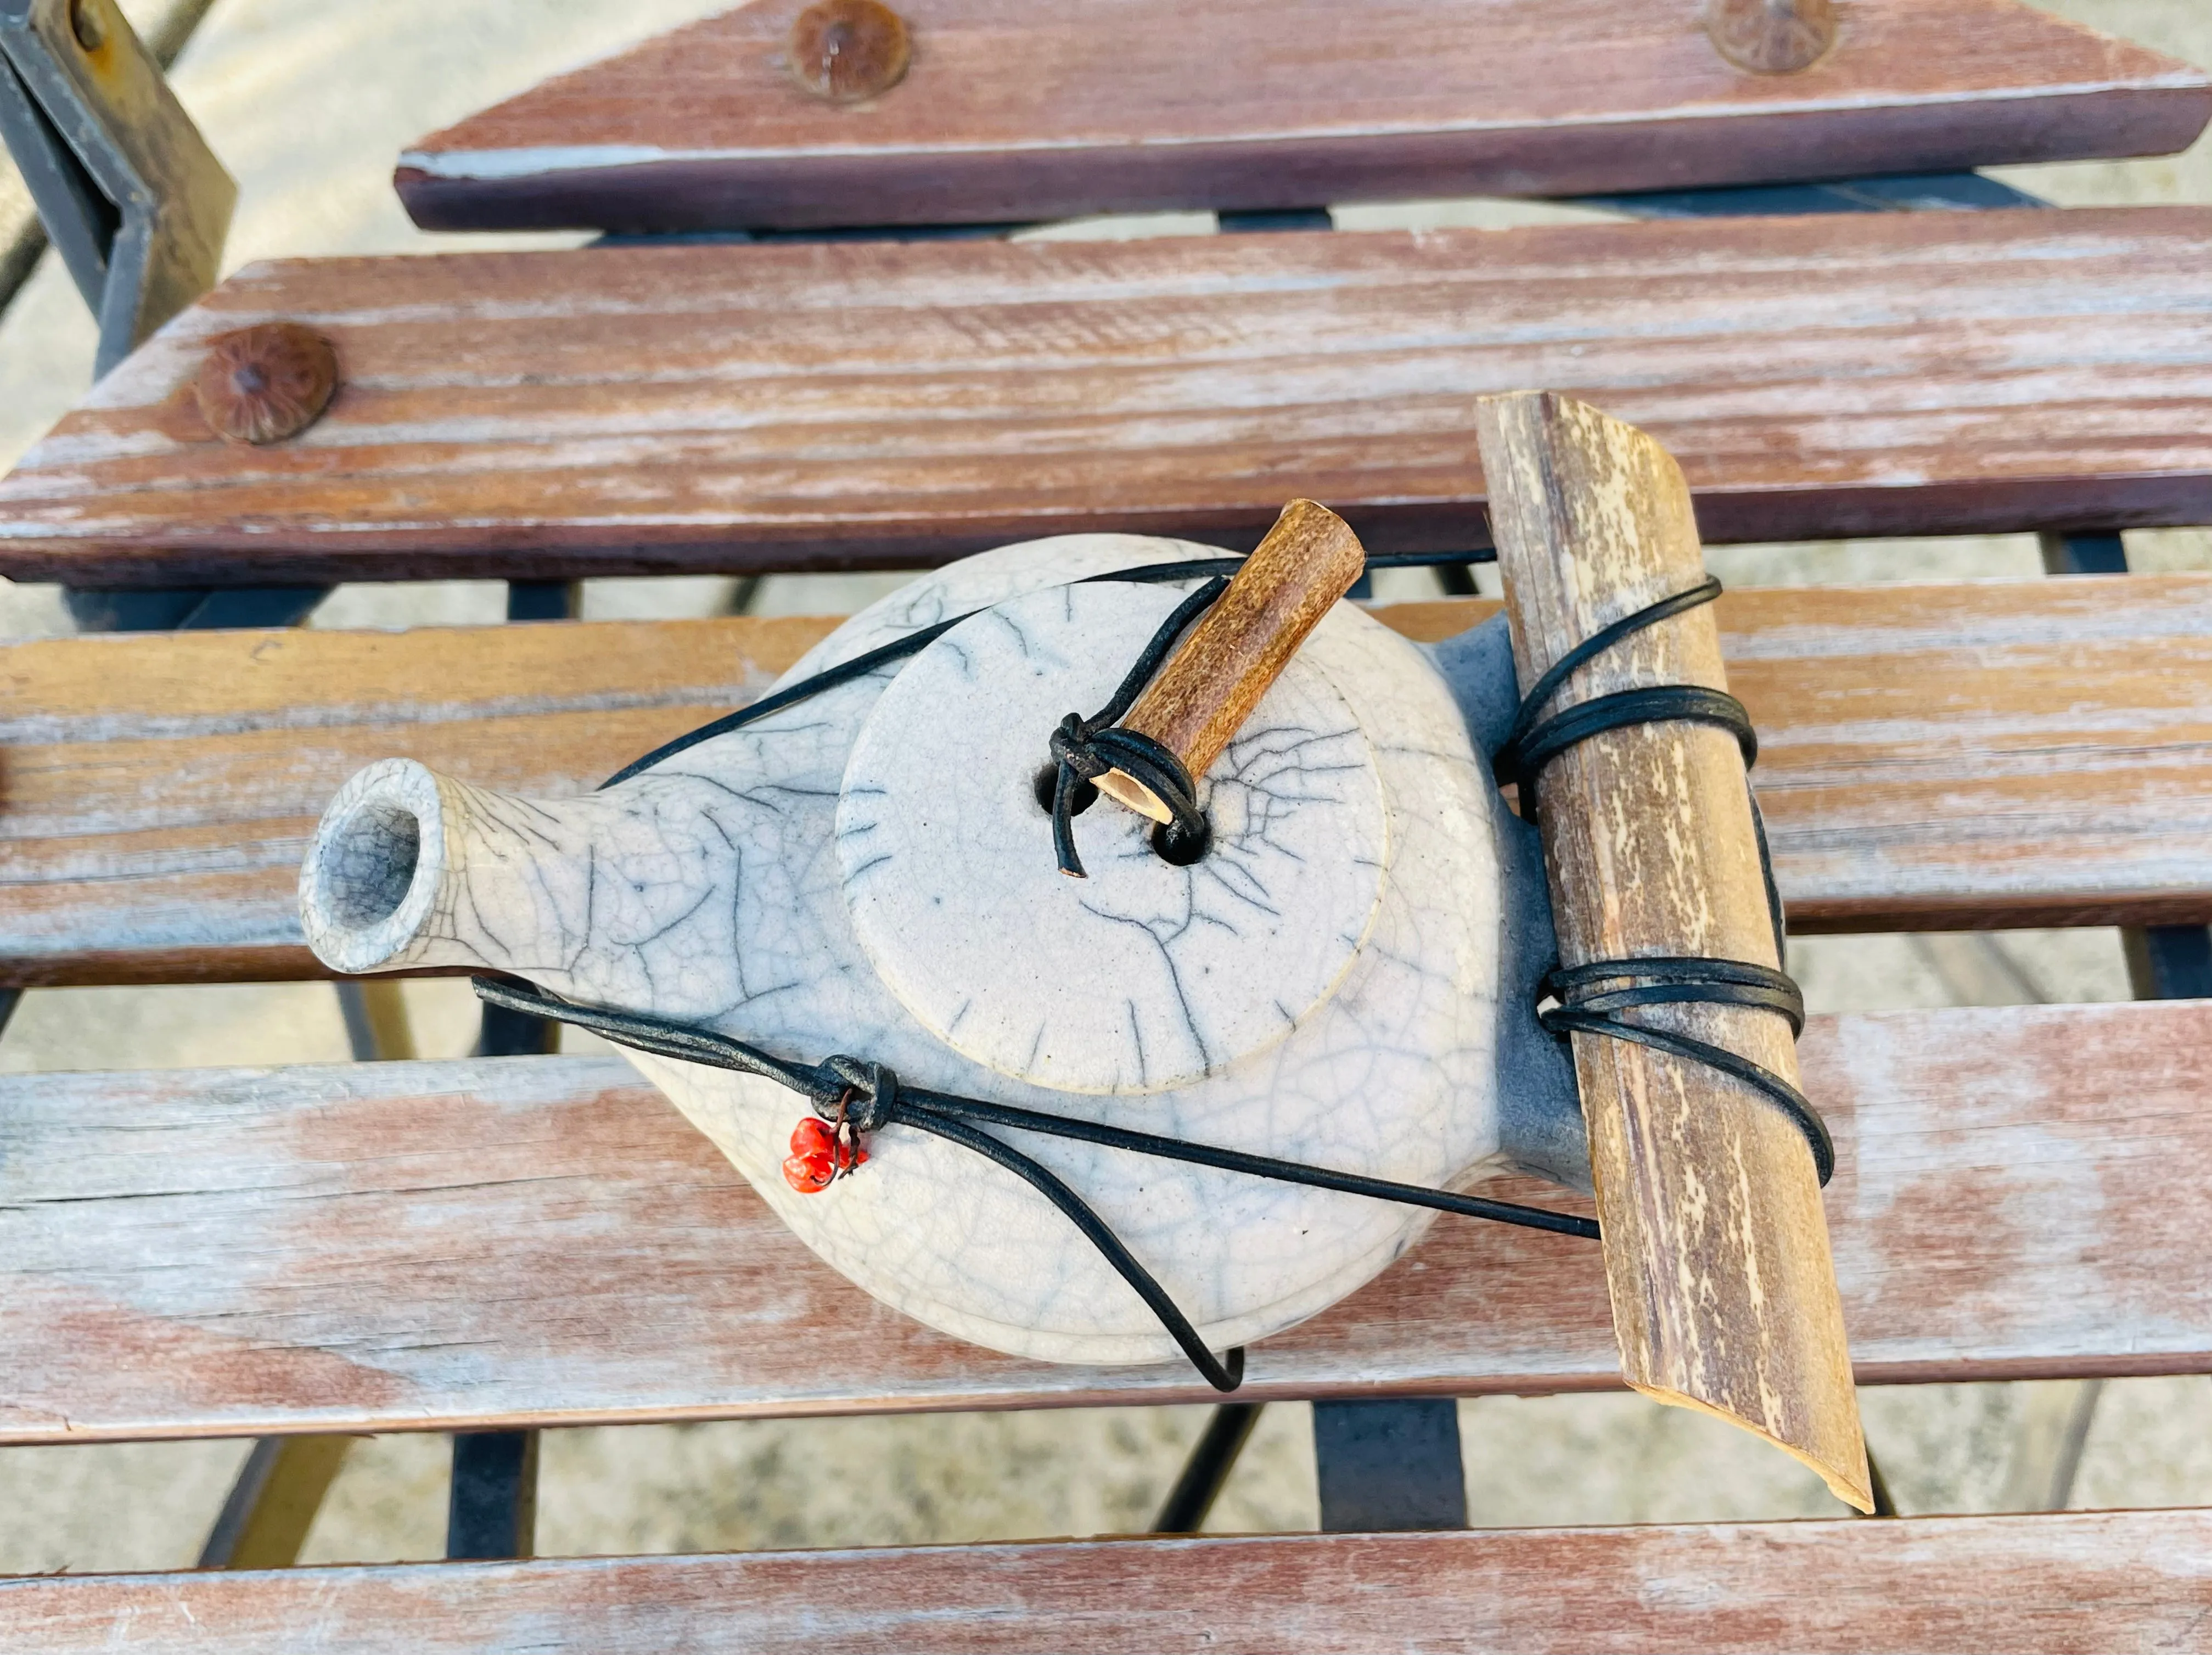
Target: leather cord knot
column 1084, row 749
column 866, row 1095
column 1071, row 747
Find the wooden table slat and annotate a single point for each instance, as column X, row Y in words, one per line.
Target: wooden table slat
column 2086, row 1582
column 1983, row 754
column 1010, row 114
column 697, row 409
column 545, row 1241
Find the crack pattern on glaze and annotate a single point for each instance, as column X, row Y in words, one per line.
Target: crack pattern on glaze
column 711, row 889
column 1146, row 977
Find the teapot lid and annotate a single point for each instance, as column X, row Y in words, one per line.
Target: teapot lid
column 1146, row 975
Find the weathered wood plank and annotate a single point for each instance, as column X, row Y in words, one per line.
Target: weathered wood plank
column 543, row 1240
column 729, row 408
column 1715, row 1237
column 1989, row 754
column 1008, row 113
column 2086, row 1582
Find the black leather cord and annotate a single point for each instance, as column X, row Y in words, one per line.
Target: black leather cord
column 868, row 1097
column 1084, row 749
column 1593, row 996
column 914, row 643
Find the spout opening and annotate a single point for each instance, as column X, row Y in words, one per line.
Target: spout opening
column 369, row 863
column 371, row 873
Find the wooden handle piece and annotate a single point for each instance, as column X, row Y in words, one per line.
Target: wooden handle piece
column 1716, row 1247
column 1210, row 685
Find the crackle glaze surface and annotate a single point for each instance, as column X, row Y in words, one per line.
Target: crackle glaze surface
column 713, row 890
column 1143, row 977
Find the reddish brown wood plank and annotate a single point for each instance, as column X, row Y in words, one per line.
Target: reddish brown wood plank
column 543, row 1240
column 2091, row 1582
column 643, row 409
column 1989, row 754
column 1007, row 112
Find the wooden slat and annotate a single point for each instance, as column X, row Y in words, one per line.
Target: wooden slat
column 1012, row 113
column 1990, row 754
column 2091, row 1582
column 630, row 410
column 543, row 1240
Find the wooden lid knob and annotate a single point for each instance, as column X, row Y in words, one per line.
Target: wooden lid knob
column 1209, row 687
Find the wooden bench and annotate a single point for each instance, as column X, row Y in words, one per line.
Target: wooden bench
column 1242, row 104
column 404, row 1246
column 730, row 409
column 545, row 1241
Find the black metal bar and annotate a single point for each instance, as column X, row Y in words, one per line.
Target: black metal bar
column 492, row 1509
column 2084, row 554
column 79, row 221
column 1909, row 192
column 266, row 1517
column 1885, row 1503
column 1389, row 1465
column 10, row 1000
column 505, row 1032
column 124, row 183
column 2165, row 962
column 1282, row 218
column 361, row 1031
column 238, row 1506
column 542, row 600
column 892, row 232
column 2170, row 962
column 1213, row 1458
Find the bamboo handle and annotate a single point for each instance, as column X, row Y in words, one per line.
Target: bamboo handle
column 1717, row 1257
column 1210, row 685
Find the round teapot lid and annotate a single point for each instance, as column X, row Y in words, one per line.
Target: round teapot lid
column 1145, row 976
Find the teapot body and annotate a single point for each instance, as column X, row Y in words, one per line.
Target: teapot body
column 870, row 872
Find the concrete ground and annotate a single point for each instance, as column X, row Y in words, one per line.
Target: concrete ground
column 307, row 101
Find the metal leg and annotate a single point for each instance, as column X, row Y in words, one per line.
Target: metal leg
column 2084, row 554
column 265, row 1520
column 493, row 1508
column 2047, row 1454
column 516, row 1034
column 2170, row 962
column 1885, row 1504
column 891, row 233
column 1389, row 1465
column 130, row 192
column 2165, row 962
column 1212, row 1459
column 543, row 600
column 1913, row 193
column 375, row 1019
column 506, row 1033
column 1288, row 218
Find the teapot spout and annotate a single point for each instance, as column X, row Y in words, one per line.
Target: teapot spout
column 410, row 870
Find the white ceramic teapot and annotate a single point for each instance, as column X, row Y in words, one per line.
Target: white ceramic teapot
column 1342, row 980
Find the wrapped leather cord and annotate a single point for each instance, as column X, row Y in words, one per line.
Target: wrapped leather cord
column 1592, row 996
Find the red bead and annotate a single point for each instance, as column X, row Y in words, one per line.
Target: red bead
column 809, row 1174
column 814, row 1139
